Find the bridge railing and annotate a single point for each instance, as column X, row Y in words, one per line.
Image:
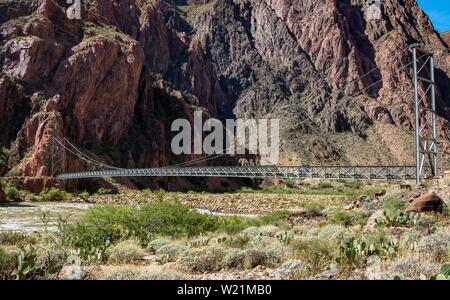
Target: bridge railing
column 262, row 172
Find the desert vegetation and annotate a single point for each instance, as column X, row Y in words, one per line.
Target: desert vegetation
column 159, row 235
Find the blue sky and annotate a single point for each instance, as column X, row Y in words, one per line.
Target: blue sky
column 439, row 12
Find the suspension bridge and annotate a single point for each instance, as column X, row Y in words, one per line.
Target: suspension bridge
column 426, row 147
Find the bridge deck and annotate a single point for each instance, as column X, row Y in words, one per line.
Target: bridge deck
column 261, row 172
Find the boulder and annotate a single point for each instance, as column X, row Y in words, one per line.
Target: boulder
column 428, row 201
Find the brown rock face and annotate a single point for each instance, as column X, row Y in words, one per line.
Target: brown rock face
column 426, row 202
column 2, row 195
column 446, row 37
column 113, row 82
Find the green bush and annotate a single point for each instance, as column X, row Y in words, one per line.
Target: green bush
column 84, row 195
column 411, row 267
column 203, row 259
column 170, row 252
column 260, row 257
column 8, row 264
column 314, row 210
column 172, row 219
column 436, row 244
column 347, row 218
column 103, row 226
column 353, row 184
column 200, row 241
column 331, row 233
column 324, row 185
column 154, row 245
column 130, row 274
column 316, row 253
column 104, row 191
column 100, row 227
column 236, row 224
column 12, row 193
column 293, row 269
column 234, row 241
column 12, row 173
column 53, row 194
column 234, row 259
column 14, row 238
column 125, row 252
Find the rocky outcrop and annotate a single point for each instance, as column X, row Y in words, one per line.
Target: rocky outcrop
column 427, row 202
column 14, row 107
column 114, row 82
column 446, row 37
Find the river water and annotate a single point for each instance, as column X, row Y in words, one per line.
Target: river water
column 32, row 217
column 38, row 216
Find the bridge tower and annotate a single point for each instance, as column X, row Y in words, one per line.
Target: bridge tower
column 58, row 158
column 424, row 105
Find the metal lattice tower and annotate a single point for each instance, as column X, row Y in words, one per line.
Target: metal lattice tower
column 426, row 141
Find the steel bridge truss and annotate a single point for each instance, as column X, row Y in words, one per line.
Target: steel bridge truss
column 261, row 172
column 425, row 106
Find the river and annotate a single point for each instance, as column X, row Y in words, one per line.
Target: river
column 29, row 217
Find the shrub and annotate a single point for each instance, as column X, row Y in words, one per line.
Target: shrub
column 200, row 241
column 8, row 264
column 349, row 218
column 170, row 252
column 12, row 193
column 234, row 241
column 331, row 233
column 236, row 224
column 252, row 231
column 14, row 238
column 172, row 219
column 269, row 230
column 353, row 184
column 100, row 227
column 251, row 258
column 154, row 245
column 260, row 257
column 234, row 259
column 84, row 195
column 53, row 194
column 293, row 269
column 131, row 274
column 266, row 241
column 313, row 210
column 324, row 185
column 43, row 264
column 12, row 173
column 125, row 252
column 411, row 267
column 104, row 191
column 203, row 259
column 436, row 244
column 103, row 226
column 316, row 253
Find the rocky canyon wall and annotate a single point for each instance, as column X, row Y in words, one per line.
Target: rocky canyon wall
column 114, row 81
